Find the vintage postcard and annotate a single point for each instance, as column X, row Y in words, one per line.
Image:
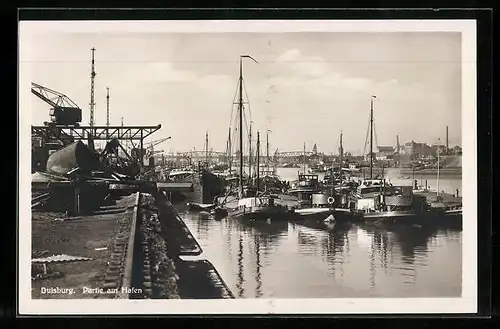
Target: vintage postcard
column 237, row 167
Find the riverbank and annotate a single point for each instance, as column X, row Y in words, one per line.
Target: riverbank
column 456, row 172
column 427, row 172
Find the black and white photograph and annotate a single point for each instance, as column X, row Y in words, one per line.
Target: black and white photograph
column 231, row 167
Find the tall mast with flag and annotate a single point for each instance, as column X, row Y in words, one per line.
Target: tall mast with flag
column 240, row 113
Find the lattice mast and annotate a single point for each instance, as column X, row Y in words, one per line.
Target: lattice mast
column 206, row 148
column 92, row 101
column 107, row 106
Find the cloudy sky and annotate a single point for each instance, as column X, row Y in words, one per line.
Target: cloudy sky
column 306, row 88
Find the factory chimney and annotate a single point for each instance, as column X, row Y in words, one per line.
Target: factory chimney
column 397, row 143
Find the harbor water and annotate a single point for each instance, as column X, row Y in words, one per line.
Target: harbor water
column 278, row 259
column 285, row 260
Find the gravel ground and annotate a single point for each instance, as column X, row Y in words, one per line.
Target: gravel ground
column 161, row 233
column 75, row 237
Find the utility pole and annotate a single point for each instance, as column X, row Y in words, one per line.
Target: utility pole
column 92, row 101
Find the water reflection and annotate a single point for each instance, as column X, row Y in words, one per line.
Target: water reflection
column 241, row 279
column 372, row 264
column 282, row 260
column 202, row 228
column 258, row 279
column 412, row 241
column 309, row 240
column 268, row 233
column 334, row 246
column 334, row 242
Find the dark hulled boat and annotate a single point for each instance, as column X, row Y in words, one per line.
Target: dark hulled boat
column 379, row 201
column 249, row 203
column 314, row 204
column 304, row 188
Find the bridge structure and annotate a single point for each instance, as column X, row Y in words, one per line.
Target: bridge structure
column 197, row 156
column 215, row 156
column 298, row 157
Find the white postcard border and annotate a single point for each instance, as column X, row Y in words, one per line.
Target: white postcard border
column 466, row 304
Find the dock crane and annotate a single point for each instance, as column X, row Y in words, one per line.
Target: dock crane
column 148, row 149
column 152, row 144
column 64, row 111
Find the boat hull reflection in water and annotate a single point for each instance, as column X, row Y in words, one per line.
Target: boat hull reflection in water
column 278, row 259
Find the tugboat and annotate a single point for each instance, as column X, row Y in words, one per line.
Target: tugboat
column 379, row 201
column 314, row 204
column 304, row 188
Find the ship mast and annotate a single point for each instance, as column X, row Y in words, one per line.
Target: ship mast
column 341, row 151
column 229, row 151
column 258, row 159
column 371, row 136
column 267, row 149
column 437, row 183
column 240, row 112
column 250, row 152
column 304, row 165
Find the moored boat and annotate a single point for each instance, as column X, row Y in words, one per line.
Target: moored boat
column 249, row 203
column 324, row 208
column 378, row 200
column 385, row 202
column 255, row 207
column 304, row 188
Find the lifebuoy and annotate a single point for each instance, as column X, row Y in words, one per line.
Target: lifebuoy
column 331, row 200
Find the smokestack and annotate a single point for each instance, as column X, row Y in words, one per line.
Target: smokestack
column 397, row 143
column 447, row 139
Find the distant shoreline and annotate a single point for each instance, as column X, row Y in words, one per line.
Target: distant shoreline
column 455, row 172
column 432, row 171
